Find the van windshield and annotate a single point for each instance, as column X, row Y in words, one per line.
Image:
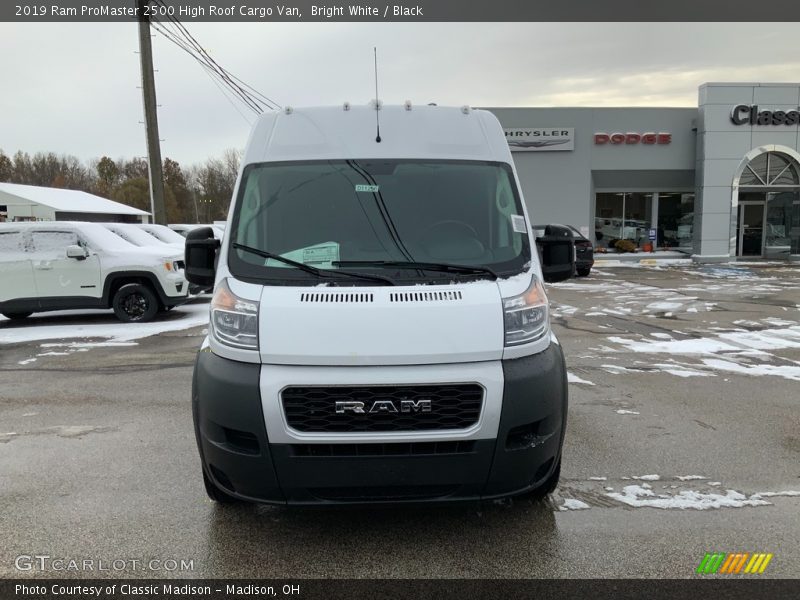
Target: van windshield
column 357, row 214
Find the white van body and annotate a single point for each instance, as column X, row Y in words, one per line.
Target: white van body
column 58, row 265
column 420, row 387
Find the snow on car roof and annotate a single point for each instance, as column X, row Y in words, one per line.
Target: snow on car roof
column 68, row 200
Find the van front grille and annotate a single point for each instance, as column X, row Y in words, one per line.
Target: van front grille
column 347, row 409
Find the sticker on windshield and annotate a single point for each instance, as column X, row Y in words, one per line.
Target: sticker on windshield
column 372, row 189
column 321, row 254
column 318, row 255
column 518, row 224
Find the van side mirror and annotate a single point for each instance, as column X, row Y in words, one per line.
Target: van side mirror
column 201, row 256
column 557, row 253
column 76, row 252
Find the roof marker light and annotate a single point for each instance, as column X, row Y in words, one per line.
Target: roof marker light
column 346, row 106
column 407, row 104
column 288, row 110
column 465, row 109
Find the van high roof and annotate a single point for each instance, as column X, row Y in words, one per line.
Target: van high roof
column 407, row 131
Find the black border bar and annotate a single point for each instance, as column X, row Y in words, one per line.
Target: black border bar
column 706, row 587
column 415, row 11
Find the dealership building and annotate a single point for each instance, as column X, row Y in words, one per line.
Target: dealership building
column 718, row 181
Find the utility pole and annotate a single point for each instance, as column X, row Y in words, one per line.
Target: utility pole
column 157, row 208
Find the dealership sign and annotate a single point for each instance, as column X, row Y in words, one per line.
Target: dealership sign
column 539, row 139
column 632, row 138
column 749, row 114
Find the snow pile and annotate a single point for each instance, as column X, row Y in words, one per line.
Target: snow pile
column 638, row 496
column 689, row 477
column 647, row 477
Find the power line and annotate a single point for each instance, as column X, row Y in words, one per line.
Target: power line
column 208, row 67
column 187, row 42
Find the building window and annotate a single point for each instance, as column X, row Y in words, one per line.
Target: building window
column 675, row 220
column 622, row 216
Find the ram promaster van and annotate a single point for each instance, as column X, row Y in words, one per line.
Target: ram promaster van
column 379, row 328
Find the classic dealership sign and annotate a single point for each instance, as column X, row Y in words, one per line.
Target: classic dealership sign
column 749, row 114
column 631, row 138
column 538, row 139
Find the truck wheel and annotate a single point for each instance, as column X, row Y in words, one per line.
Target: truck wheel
column 216, row 494
column 549, row 486
column 583, row 272
column 135, row 303
column 14, row 316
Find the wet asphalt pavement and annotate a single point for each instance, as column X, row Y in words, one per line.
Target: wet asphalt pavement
column 98, row 458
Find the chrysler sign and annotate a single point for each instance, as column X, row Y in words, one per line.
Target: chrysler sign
column 538, row 139
column 749, row 114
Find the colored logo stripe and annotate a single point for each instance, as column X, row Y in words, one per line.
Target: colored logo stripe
column 732, row 564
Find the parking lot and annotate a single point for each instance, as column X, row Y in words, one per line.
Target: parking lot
column 683, row 438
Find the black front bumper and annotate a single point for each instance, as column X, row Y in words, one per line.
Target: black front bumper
column 237, row 456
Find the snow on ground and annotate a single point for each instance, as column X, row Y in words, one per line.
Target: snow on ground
column 622, row 411
column 572, row 378
column 773, row 494
column 117, row 333
column 689, row 477
column 727, row 351
column 681, row 371
column 573, row 504
column 639, row 496
column 791, row 372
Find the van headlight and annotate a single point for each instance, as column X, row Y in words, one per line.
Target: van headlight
column 526, row 316
column 234, row 320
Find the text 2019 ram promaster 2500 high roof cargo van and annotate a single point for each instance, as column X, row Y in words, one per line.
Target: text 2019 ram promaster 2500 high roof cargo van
column 379, row 329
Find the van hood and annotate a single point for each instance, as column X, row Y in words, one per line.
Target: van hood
column 387, row 325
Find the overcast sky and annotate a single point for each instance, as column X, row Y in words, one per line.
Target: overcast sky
column 72, row 88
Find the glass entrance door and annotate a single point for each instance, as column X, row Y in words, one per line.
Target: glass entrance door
column 781, row 234
column 751, row 228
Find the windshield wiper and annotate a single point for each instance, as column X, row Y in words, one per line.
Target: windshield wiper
column 308, row 268
column 424, row 266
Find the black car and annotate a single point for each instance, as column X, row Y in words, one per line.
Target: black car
column 584, row 253
column 583, row 248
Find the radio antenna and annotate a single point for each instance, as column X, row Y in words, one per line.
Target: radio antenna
column 377, row 101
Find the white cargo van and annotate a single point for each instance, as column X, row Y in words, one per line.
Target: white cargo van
column 379, row 328
column 61, row 265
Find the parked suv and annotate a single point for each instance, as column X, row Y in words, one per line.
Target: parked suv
column 67, row 265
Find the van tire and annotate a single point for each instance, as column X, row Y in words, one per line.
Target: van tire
column 583, row 272
column 135, row 303
column 16, row 316
column 216, row 494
